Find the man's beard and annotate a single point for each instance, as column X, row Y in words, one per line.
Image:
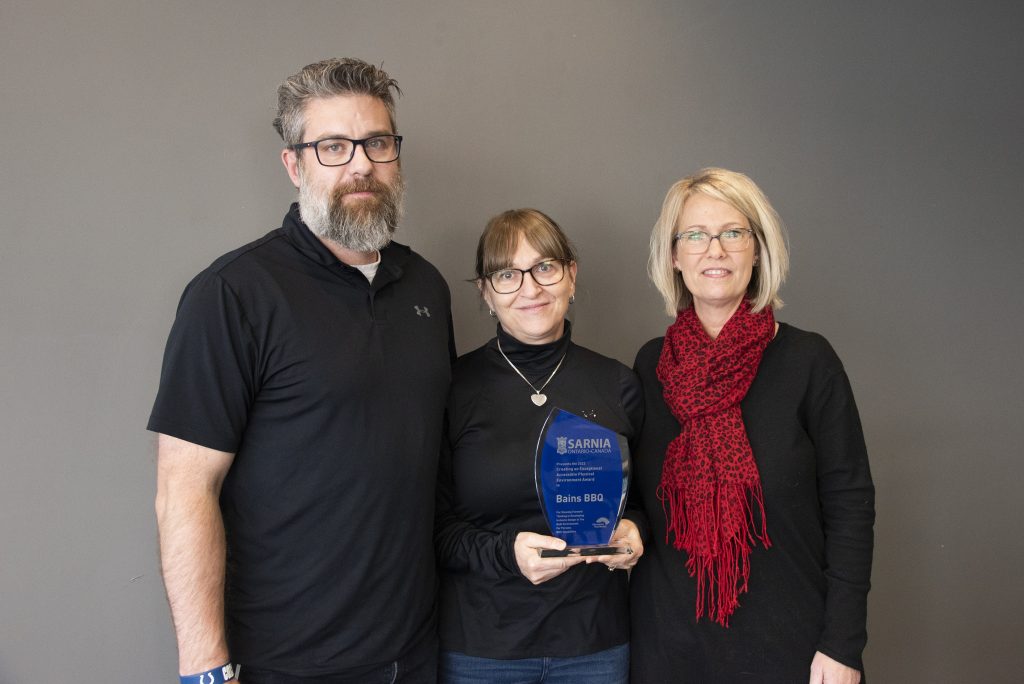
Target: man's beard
column 365, row 226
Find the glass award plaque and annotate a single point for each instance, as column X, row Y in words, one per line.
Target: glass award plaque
column 582, row 476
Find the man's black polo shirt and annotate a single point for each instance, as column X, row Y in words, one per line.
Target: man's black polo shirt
column 331, row 393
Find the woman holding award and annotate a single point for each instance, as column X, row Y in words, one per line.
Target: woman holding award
column 751, row 464
column 506, row 613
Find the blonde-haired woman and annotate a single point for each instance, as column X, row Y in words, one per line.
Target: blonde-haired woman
column 751, row 463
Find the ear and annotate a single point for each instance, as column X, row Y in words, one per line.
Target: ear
column 290, row 159
column 485, row 293
column 572, row 277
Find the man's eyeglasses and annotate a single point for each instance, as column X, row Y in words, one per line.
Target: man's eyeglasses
column 509, row 280
column 698, row 242
column 339, row 151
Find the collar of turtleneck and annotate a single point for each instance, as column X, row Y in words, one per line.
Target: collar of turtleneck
column 533, row 360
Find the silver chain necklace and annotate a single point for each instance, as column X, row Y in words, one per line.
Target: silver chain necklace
column 537, row 398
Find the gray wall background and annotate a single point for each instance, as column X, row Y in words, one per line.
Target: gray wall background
column 137, row 147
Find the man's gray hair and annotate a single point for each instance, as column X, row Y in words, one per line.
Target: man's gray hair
column 329, row 78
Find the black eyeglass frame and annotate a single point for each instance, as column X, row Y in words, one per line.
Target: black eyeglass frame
column 524, row 271
column 298, row 147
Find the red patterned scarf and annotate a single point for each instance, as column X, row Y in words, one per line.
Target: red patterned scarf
column 710, row 486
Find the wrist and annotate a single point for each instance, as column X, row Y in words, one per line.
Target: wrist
column 218, row 675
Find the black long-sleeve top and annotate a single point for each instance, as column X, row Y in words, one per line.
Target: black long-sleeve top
column 808, row 592
column 487, row 495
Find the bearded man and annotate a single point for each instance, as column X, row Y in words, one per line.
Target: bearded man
column 299, row 417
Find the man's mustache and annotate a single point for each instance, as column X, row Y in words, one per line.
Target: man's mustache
column 361, row 185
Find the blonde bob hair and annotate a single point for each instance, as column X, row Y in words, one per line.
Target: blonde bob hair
column 741, row 193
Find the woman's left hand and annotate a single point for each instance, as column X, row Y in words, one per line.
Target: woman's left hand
column 825, row 670
column 626, row 534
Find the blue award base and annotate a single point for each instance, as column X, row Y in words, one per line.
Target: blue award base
column 582, row 476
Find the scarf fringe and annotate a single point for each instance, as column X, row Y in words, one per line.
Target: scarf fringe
column 718, row 550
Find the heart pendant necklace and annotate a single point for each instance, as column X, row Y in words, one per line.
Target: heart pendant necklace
column 537, row 397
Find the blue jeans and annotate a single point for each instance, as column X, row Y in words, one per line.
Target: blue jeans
column 604, row 667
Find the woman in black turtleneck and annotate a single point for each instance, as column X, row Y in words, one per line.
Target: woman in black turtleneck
column 506, row 614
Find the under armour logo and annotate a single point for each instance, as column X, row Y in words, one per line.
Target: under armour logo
column 421, row 310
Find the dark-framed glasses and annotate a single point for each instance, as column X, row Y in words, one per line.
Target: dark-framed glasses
column 698, row 242
column 380, row 149
column 509, row 280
